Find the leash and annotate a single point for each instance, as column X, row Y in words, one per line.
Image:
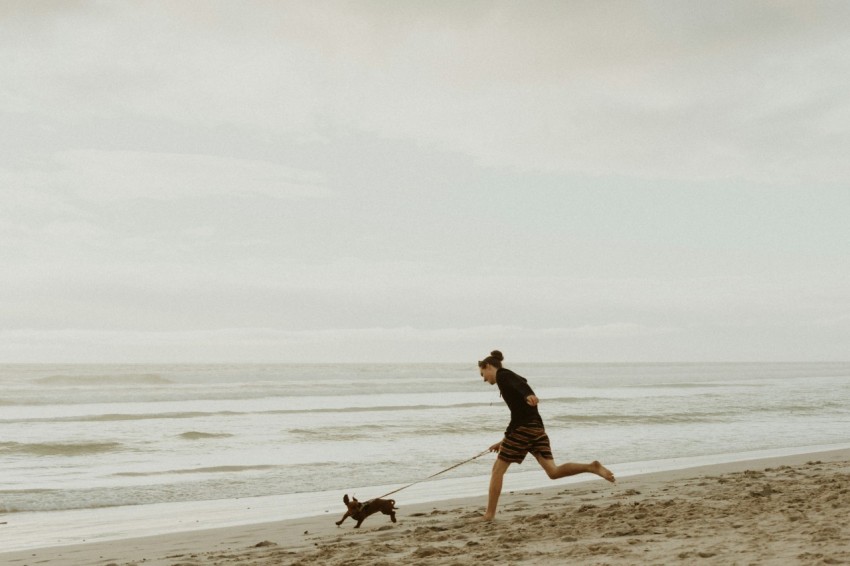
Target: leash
column 435, row 475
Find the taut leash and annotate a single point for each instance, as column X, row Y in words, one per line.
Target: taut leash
column 435, row 475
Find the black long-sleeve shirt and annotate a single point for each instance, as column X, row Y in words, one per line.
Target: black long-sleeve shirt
column 514, row 390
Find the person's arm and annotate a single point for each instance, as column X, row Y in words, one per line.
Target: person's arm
column 520, row 384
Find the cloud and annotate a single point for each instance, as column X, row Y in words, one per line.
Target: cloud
column 617, row 342
column 120, row 175
column 729, row 91
column 389, row 344
column 422, row 180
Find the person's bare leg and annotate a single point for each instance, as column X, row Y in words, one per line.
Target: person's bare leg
column 496, row 477
column 570, row 469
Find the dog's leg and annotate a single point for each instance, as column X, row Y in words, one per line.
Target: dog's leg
column 391, row 512
column 344, row 517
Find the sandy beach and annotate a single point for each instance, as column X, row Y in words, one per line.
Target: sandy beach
column 789, row 510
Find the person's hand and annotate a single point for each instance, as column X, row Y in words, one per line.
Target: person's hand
column 496, row 447
column 532, row 400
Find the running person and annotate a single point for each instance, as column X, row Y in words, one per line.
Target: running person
column 525, row 432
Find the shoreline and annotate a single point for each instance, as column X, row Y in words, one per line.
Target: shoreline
column 38, row 530
column 425, row 523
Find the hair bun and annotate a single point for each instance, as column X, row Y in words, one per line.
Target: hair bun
column 498, row 355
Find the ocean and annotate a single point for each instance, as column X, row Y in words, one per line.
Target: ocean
column 91, row 452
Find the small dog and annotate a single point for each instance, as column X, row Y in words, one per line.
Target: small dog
column 359, row 511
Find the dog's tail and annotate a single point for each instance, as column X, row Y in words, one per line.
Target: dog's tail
column 392, row 504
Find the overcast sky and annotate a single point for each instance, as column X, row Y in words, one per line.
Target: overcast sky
column 424, row 181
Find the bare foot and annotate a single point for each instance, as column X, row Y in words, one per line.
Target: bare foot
column 601, row 471
column 486, row 517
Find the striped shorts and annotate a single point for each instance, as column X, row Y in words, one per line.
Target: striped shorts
column 524, row 439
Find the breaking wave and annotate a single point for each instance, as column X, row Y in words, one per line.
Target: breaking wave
column 105, row 379
column 59, row 448
column 196, row 435
column 207, row 470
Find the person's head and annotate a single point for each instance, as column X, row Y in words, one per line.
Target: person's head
column 490, row 365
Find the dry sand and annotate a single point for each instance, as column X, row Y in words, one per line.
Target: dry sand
column 790, row 510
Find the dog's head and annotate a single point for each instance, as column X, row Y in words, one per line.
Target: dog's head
column 353, row 505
